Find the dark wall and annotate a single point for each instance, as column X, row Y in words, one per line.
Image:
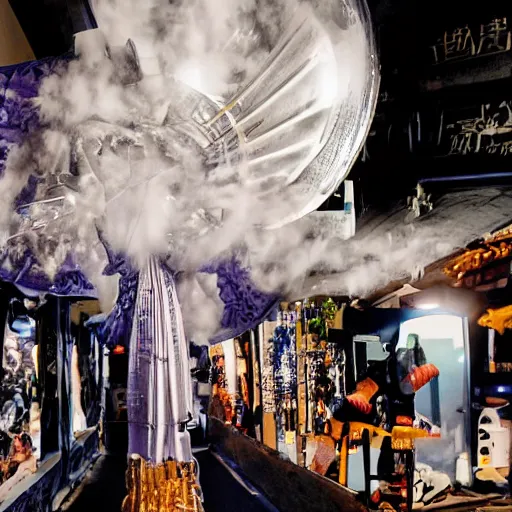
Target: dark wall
column 47, row 329
column 50, row 24
column 438, row 101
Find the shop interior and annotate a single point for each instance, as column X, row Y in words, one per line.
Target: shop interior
column 52, row 391
column 405, row 400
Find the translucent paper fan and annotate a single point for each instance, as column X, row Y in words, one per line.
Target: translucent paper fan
column 299, row 123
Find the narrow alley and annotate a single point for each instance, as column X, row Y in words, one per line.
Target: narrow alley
column 104, row 488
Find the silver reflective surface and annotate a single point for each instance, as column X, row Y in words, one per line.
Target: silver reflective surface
column 159, row 385
column 299, row 123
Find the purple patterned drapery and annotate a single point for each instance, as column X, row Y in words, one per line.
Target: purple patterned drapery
column 245, row 306
column 19, row 116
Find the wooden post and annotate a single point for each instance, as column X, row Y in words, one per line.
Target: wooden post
column 14, row 47
column 269, row 413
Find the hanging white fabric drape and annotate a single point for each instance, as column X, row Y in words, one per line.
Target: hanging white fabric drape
column 160, row 385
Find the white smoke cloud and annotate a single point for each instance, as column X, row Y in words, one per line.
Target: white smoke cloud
column 130, row 153
column 143, row 156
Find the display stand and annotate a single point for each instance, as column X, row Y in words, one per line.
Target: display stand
column 401, row 442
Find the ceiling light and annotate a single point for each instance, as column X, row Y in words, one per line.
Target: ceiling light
column 428, row 305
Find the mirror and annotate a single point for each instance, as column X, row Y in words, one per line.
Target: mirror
column 437, row 340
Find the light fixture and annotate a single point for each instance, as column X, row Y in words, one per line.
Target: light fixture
column 118, row 350
column 428, row 306
column 191, row 75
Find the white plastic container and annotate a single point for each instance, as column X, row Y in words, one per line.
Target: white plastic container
column 493, row 441
column 463, row 470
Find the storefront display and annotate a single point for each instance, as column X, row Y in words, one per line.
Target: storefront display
column 78, row 415
column 485, row 268
column 233, row 397
column 285, row 382
column 374, row 411
column 255, row 381
column 20, row 425
column 243, row 410
column 221, row 404
column 51, row 391
column 86, row 369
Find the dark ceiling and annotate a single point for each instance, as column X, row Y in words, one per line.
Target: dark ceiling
column 50, row 24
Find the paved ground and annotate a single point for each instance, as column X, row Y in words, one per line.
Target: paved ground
column 224, row 492
column 103, row 489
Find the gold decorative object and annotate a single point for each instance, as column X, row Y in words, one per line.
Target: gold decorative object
column 400, row 432
column 402, row 444
column 166, row 487
column 227, row 400
column 357, row 429
column 386, row 506
column 497, row 319
column 499, row 236
column 402, row 438
column 495, row 248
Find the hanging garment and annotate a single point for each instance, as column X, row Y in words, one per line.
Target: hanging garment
column 79, row 420
column 285, row 364
column 160, row 385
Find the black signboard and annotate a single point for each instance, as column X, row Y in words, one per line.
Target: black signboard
column 482, row 128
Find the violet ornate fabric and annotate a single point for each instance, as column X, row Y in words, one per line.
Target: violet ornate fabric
column 19, row 117
column 244, row 305
column 115, row 328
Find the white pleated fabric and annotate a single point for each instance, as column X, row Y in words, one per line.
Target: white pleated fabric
column 160, row 384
